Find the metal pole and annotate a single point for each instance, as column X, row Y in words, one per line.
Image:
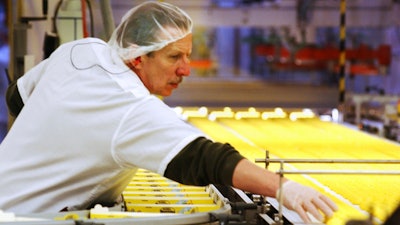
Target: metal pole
column 363, row 161
column 280, row 197
column 353, row 172
column 108, row 18
column 267, row 159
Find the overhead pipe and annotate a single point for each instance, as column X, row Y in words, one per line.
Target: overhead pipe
column 108, row 18
column 84, row 25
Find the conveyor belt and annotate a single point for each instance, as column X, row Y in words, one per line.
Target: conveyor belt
column 316, row 139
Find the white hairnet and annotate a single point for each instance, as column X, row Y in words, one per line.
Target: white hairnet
column 149, row 27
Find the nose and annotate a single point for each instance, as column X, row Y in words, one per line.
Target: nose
column 184, row 68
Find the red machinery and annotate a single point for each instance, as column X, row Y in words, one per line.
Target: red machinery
column 363, row 60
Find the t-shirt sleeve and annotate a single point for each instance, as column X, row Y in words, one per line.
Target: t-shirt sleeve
column 151, row 135
column 28, row 82
column 19, row 90
column 204, row 162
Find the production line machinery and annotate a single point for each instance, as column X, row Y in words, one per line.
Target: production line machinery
column 376, row 114
column 153, row 199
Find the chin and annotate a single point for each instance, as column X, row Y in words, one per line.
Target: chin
column 165, row 94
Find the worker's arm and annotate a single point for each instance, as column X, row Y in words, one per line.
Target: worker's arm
column 250, row 177
column 204, row 162
column 19, row 90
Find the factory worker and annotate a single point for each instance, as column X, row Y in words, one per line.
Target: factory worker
column 87, row 117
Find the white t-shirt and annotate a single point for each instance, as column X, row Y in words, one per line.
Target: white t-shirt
column 87, row 124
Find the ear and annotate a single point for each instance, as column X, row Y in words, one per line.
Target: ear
column 134, row 63
column 137, row 61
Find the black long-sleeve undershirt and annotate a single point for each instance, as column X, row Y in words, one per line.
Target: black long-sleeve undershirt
column 204, row 162
column 13, row 99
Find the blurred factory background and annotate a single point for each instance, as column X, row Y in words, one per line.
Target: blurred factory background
column 266, row 53
column 317, row 54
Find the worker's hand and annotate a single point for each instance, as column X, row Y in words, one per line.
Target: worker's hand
column 303, row 199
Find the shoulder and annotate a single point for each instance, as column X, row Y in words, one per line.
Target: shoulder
column 85, row 41
column 82, row 45
column 90, row 52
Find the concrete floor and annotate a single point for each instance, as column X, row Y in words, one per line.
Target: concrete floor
column 221, row 92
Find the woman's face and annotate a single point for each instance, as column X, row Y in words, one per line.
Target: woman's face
column 163, row 70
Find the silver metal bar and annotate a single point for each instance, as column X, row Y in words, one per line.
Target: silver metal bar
column 282, row 171
column 108, row 19
column 355, row 172
column 280, row 197
column 365, row 161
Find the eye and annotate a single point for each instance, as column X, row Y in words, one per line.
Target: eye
column 176, row 56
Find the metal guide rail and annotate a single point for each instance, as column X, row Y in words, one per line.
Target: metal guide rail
column 151, row 199
column 279, row 216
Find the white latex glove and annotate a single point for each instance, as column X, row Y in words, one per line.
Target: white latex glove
column 303, row 200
